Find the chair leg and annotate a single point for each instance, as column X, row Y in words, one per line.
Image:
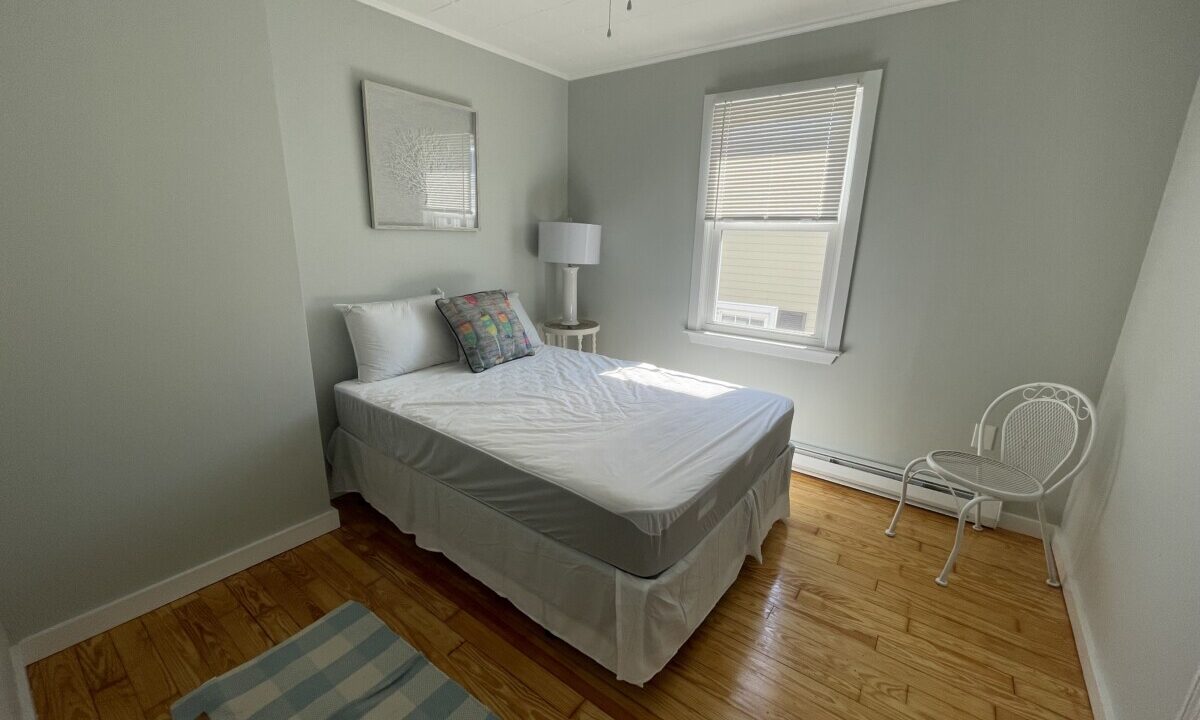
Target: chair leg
column 943, row 579
column 908, row 473
column 1051, row 568
column 978, row 526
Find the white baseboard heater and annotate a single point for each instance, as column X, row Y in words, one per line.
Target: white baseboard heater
column 924, row 490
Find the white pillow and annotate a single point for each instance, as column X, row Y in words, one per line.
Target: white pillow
column 395, row 337
column 535, row 340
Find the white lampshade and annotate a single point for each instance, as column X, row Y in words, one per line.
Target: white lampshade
column 569, row 243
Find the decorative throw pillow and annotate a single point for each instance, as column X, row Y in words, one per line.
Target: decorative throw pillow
column 531, row 332
column 486, row 327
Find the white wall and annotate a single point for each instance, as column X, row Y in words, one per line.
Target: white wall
column 1131, row 531
column 157, row 406
column 322, row 51
column 1020, row 152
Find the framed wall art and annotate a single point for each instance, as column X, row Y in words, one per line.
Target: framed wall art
column 421, row 167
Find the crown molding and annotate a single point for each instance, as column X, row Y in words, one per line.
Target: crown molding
column 786, row 31
column 437, row 27
column 751, row 39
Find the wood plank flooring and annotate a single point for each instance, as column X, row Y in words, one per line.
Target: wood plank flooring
column 838, row 623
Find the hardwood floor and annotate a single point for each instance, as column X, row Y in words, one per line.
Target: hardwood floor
column 838, row 623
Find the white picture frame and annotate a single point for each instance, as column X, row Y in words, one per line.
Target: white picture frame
column 422, row 171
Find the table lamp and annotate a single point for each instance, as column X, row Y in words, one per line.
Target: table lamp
column 572, row 244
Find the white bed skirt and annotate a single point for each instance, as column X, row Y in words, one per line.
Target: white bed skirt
column 633, row 626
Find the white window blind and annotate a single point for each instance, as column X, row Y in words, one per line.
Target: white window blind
column 780, row 157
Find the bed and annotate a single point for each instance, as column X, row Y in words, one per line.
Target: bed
column 613, row 502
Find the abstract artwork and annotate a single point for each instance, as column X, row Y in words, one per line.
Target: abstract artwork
column 420, row 161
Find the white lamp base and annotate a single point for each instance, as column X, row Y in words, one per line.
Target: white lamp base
column 570, row 288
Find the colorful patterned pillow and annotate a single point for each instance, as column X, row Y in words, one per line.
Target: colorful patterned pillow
column 486, row 327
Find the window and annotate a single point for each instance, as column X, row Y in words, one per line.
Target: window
column 782, row 176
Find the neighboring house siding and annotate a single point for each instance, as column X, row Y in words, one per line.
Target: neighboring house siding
column 776, row 268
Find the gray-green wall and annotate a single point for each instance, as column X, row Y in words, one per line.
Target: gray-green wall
column 1130, row 528
column 155, row 274
column 157, row 406
column 1020, row 152
column 323, row 49
column 10, row 704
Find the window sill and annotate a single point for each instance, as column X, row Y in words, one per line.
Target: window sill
column 792, row 351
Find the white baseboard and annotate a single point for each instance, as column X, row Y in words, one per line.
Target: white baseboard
column 1191, row 706
column 24, row 693
column 1081, row 629
column 884, row 487
column 93, row 622
column 1020, row 524
column 928, row 499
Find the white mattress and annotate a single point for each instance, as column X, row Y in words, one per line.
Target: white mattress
column 627, row 462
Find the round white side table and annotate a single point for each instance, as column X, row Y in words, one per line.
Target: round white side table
column 565, row 336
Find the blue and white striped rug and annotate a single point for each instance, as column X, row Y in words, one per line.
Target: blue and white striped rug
column 346, row 665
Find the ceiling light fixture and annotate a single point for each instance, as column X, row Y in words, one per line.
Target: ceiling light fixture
column 628, row 7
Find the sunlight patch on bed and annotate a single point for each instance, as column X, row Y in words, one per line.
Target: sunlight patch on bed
column 653, row 377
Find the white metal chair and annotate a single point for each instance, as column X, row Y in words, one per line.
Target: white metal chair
column 1038, row 437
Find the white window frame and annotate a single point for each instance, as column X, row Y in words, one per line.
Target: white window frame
column 825, row 343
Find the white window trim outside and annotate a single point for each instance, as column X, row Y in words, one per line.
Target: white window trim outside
column 825, row 344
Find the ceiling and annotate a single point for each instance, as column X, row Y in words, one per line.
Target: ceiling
column 567, row 37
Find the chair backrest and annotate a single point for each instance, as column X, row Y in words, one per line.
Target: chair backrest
column 1049, row 427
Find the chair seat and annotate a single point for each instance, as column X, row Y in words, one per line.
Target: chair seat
column 985, row 475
